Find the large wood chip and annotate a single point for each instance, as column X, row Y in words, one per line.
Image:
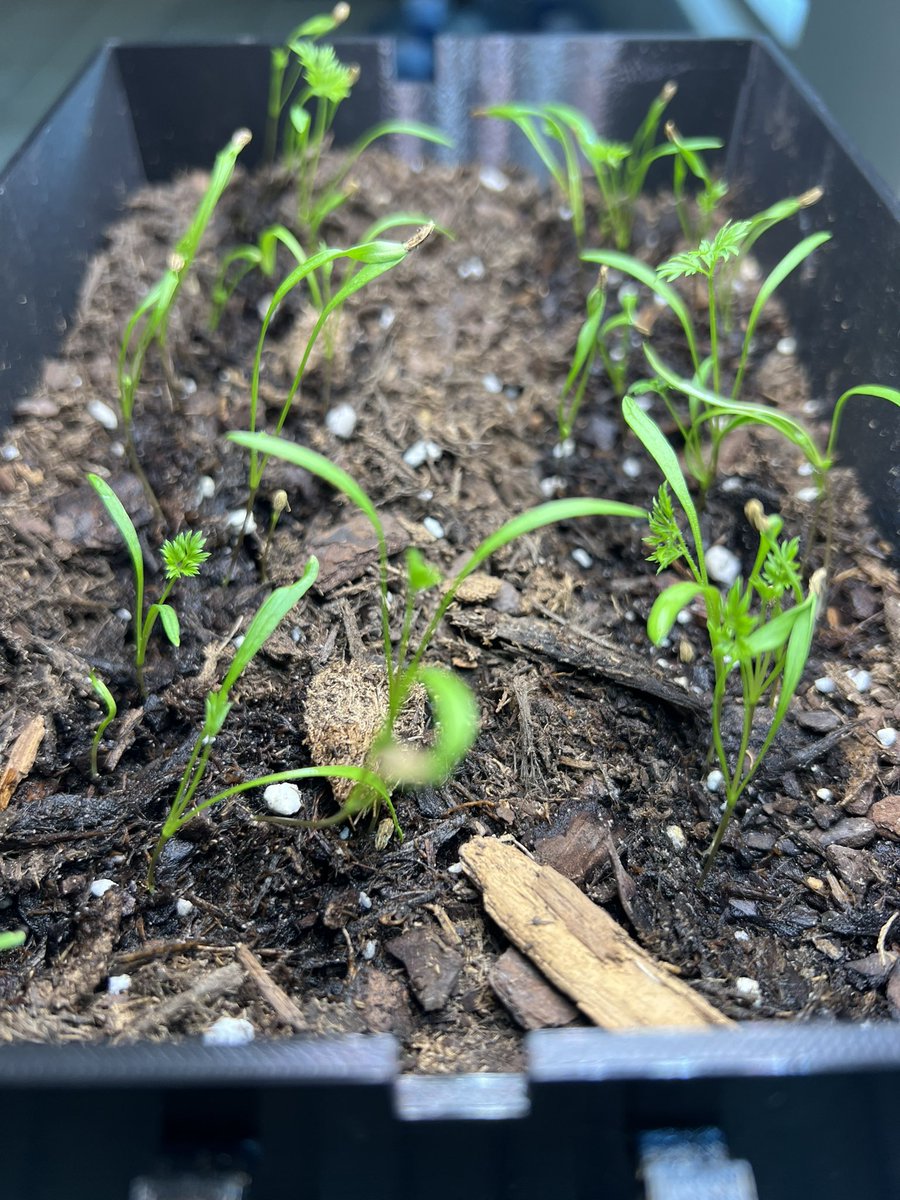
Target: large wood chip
column 579, row 948
column 21, row 758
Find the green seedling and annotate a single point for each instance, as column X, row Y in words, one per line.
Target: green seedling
column 218, row 705
column 374, row 259
column 609, row 339
column 688, row 161
column 182, row 557
column 149, row 323
column 404, row 667
column 700, row 426
column 760, row 631
column 239, row 262
column 308, row 83
column 109, row 704
column 12, row 940
column 619, row 168
column 729, row 415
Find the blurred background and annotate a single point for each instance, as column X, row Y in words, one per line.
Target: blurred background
column 847, row 52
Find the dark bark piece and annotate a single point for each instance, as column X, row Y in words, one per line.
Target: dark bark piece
column 821, row 720
column 851, row 831
column 524, row 991
column 577, row 851
column 578, row 946
column 347, row 550
column 433, row 968
column 886, row 815
column 384, row 1002
column 572, row 650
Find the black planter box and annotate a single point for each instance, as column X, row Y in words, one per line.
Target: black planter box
column 813, row 1108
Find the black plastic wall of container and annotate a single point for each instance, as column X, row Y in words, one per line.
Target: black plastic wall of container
column 812, row 1107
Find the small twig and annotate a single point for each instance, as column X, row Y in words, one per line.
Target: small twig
column 21, row 758
column 882, row 938
column 278, row 1000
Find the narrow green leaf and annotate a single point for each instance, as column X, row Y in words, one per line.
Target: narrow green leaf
column 9, row 941
column 799, row 642
column 169, row 618
column 399, row 220
column 456, row 717
column 420, row 575
column 774, row 634
column 744, row 411
column 655, row 443
column 104, row 693
column 123, row 523
column 867, row 389
column 416, row 129
column 316, row 464
column 773, row 280
column 358, row 774
column 649, row 278
column 268, row 617
column 300, row 118
column 667, row 606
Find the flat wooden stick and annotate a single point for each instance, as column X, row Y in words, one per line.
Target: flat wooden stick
column 578, row 946
column 21, row 758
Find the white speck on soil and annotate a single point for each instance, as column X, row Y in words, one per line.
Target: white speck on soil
column 825, row 685
column 103, row 414
column 550, row 485
column 787, row 345
column 582, row 558
column 685, row 616
column 749, row 989
column 807, row 495
column 455, row 869
column 238, row 641
column 365, row 901
column 123, row 614
column 434, row 527
column 229, row 1031
column 282, row 799
column 887, row 737
column 422, row 452
column 741, row 935
column 492, row 384
column 386, row 317
column 368, row 951
column 714, row 781
column 805, row 468
column 731, row 483
column 101, row 886
column 564, row 449
column 206, row 488
column 860, row 679
column 117, row 984
column 235, row 520
column 675, row 834
column 341, row 421
column 493, row 179
column 471, row 268
column 183, row 907
column 825, row 794
column 631, row 467
column 9, row 453
column 344, row 835
column 723, row 565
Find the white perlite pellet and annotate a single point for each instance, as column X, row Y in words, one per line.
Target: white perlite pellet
column 101, row 886
column 117, row 984
column 235, row 520
column 631, row 468
column 723, row 565
column 493, row 179
column 229, row 1031
column 183, row 907
column 492, row 384
column 675, row 834
column 421, row 452
column 283, row 799
column 825, row 685
column 714, row 781
column 472, row 268
column 341, row 421
column 749, row 989
column 434, row 527
column 564, row 449
column 582, row 558
column 860, row 679
column 887, row 737
column 103, row 414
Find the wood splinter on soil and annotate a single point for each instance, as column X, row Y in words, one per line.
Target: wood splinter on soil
column 578, row 946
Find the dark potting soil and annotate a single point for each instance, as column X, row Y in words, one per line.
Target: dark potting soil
column 593, row 743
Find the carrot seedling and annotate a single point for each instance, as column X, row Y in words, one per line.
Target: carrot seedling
column 218, row 705
column 182, row 556
column 619, row 168
column 149, row 323
column 760, row 631
column 109, row 704
column 452, row 703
